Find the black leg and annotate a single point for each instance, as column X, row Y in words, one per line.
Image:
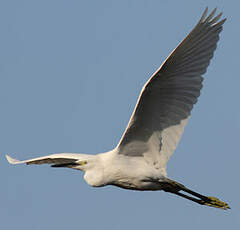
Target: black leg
column 188, row 197
column 175, row 188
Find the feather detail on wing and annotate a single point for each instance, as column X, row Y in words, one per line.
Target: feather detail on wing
column 167, row 99
column 55, row 159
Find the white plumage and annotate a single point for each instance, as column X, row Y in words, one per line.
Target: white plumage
column 157, row 123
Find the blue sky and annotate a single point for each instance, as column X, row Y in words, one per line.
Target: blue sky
column 70, row 75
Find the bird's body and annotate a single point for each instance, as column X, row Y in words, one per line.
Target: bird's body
column 139, row 161
column 121, row 172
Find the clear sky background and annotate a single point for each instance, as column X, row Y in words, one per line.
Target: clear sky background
column 70, row 75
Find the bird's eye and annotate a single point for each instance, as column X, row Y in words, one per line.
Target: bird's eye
column 83, row 162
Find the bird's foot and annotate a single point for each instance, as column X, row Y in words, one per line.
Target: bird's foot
column 215, row 202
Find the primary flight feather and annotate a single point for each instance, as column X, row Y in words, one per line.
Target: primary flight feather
column 139, row 160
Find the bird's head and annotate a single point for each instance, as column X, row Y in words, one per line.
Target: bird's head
column 87, row 162
column 92, row 166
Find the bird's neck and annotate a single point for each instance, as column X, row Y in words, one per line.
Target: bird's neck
column 95, row 171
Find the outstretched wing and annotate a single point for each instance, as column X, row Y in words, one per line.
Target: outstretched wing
column 167, row 99
column 57, row 160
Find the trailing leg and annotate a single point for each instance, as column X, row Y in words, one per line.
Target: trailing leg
column 176, row 188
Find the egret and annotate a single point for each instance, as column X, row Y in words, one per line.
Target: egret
column 163, row 108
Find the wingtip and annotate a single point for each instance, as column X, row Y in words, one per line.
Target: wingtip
column 204, row 15
column 205, row 18
column 12, row 160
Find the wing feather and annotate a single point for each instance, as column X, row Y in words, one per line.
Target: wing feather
column 166, row 100
column 60, row 158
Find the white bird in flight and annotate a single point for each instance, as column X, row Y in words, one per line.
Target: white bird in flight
column 163, row 108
